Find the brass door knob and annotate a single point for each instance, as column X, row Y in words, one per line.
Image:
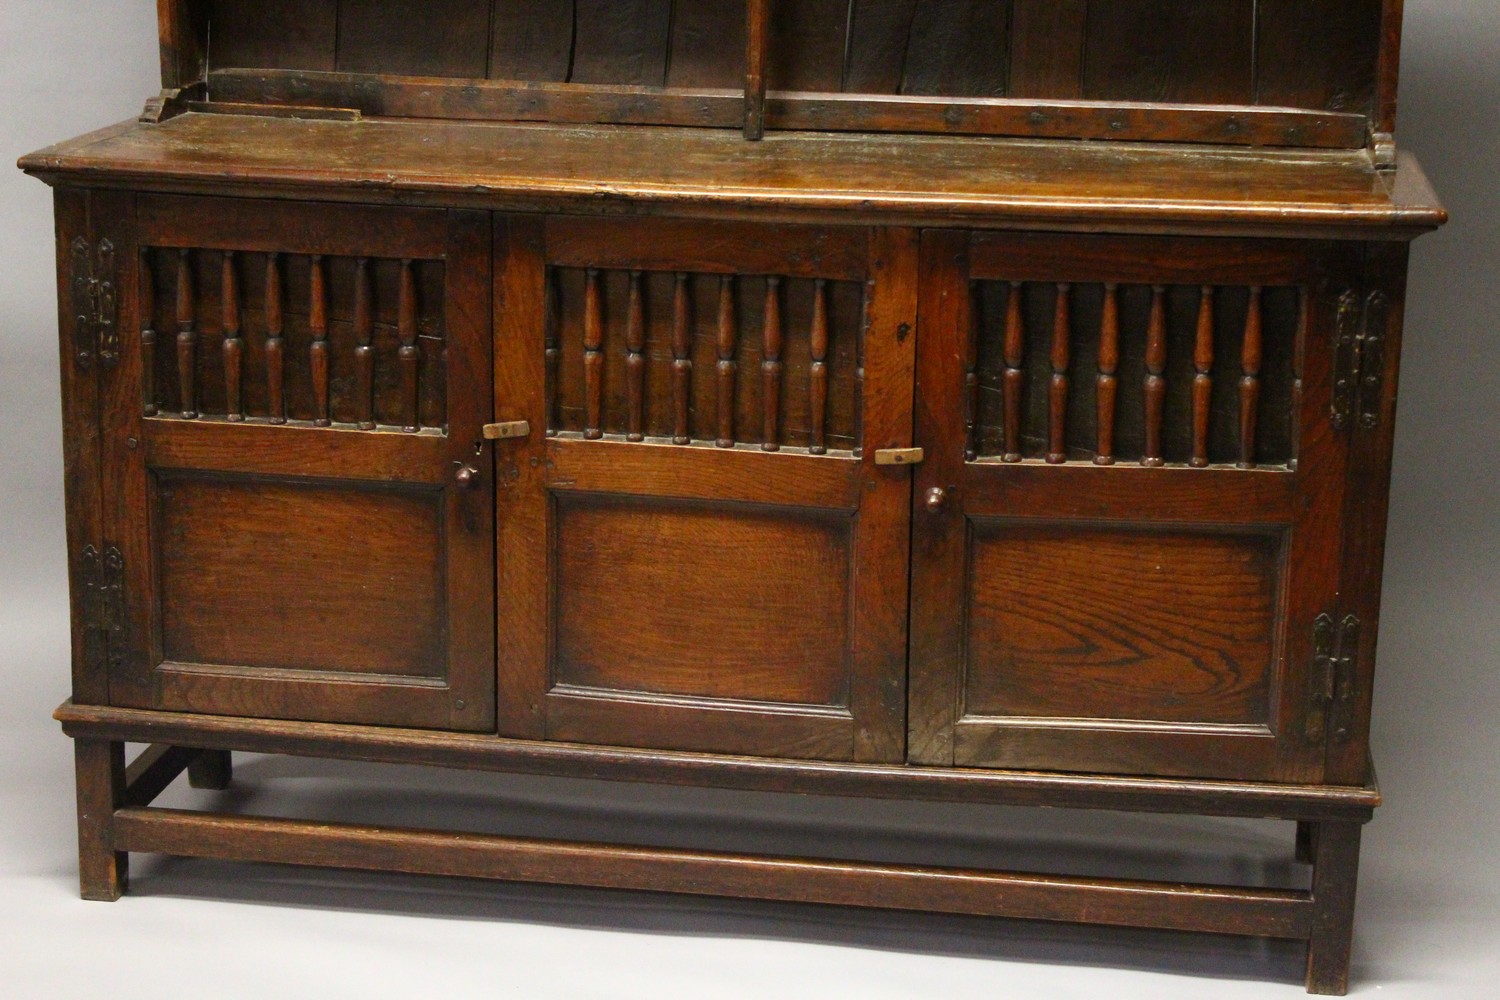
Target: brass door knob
column 467, row 477
column 936, row 499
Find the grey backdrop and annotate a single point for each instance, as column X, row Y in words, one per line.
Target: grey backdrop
column 1428, row 915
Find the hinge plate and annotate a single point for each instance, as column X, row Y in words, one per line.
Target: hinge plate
column 95, row 333
column 103, row 606
column 1359, row 359
column 1332, row 678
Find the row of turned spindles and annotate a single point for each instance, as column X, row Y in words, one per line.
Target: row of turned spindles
column 233, row 346
column 727, row 343
column 1107, row 377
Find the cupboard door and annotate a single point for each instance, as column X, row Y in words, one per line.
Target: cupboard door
column 293, row 466
column 697, row 547
column 1127, row 526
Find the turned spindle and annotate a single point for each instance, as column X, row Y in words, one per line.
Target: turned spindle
column 1250, row 362
column 1057, row 389
column 1107, row 382
column 635, row 359
column 817, row 390
column 1015, row 375
column 770, row 365
column 409, row 354
column 187, row 336
column 364, row 343
column 234, row 344
column 593, row 355
column 275, row 341
column 1203, row 383
column 727, row 342
column 682, row 360
column 148, row 334
column 317, row 323
column 1156, row 382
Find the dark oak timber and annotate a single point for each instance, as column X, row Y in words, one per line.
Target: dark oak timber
column 976, row 401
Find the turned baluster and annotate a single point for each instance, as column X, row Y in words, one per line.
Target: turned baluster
column 553, row 337
column 817, row 391
column 409, row 354
column 593, row 355
column 234, row 344
column 364, row 343
column 1015, row 376
column 728, row 338
column 635, row 361
column 971, row 373
column 1203, row 383
column 682, row 360
column 187, row 336
column 148, row 335
column 1057, row 395
column 1107, row 383
column 770, row 365
column 1156, row 382
column 1250, row 361
column 275, row 341
column 317, row 323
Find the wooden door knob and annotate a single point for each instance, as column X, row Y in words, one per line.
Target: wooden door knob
column 467, row 477
column 936, row 499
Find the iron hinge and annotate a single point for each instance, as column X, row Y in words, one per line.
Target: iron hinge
column 1333, row 680
column 104, row 606
column 96, row 334
column 1359, row 358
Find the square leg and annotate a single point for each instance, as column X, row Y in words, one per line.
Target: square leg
column 100, row 773
column 1335, row 851
column 212, row 770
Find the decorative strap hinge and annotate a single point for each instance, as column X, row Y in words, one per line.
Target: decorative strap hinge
column 103, row 606
column 95, row 332
column 1359, row 359
column 1333, row 679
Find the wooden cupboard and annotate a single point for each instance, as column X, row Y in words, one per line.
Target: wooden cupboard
column 501, row 405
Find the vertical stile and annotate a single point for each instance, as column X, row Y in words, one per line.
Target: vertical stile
column 317, row 324
column 1108, row 381
column 771, row 366
column 409, row 354
column 817, row 392
column 1250, row 360
column 728, row 337
column 593, row 355
column 275, row 341
column 635, row 362
column 1203, row 383
column 757, row 41
column 1299, row 358
column 187, row 336
column 1015, row 376
column 859, row 367
column 1156, row 382
column 553, row 305
column 364, row 341
column 971, row 373
column 234, row 344
column 148, row 335
column 1057, row 393
column 682, row 360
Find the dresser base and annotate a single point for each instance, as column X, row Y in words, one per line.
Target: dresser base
column 116, row 818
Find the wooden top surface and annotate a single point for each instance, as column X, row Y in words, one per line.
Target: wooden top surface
column 803, row 176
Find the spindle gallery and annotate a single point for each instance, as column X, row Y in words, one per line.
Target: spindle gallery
column 983, row 402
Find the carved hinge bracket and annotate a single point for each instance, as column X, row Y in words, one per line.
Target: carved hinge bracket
column 1333, row 681
column 96, row 335
column 104, row 606
column 1359, row 359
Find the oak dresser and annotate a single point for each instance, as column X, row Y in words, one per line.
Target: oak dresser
column 982, row 401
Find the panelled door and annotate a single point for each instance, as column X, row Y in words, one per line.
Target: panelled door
column 699, row 544
column 297, row 504
column 1126, row 534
